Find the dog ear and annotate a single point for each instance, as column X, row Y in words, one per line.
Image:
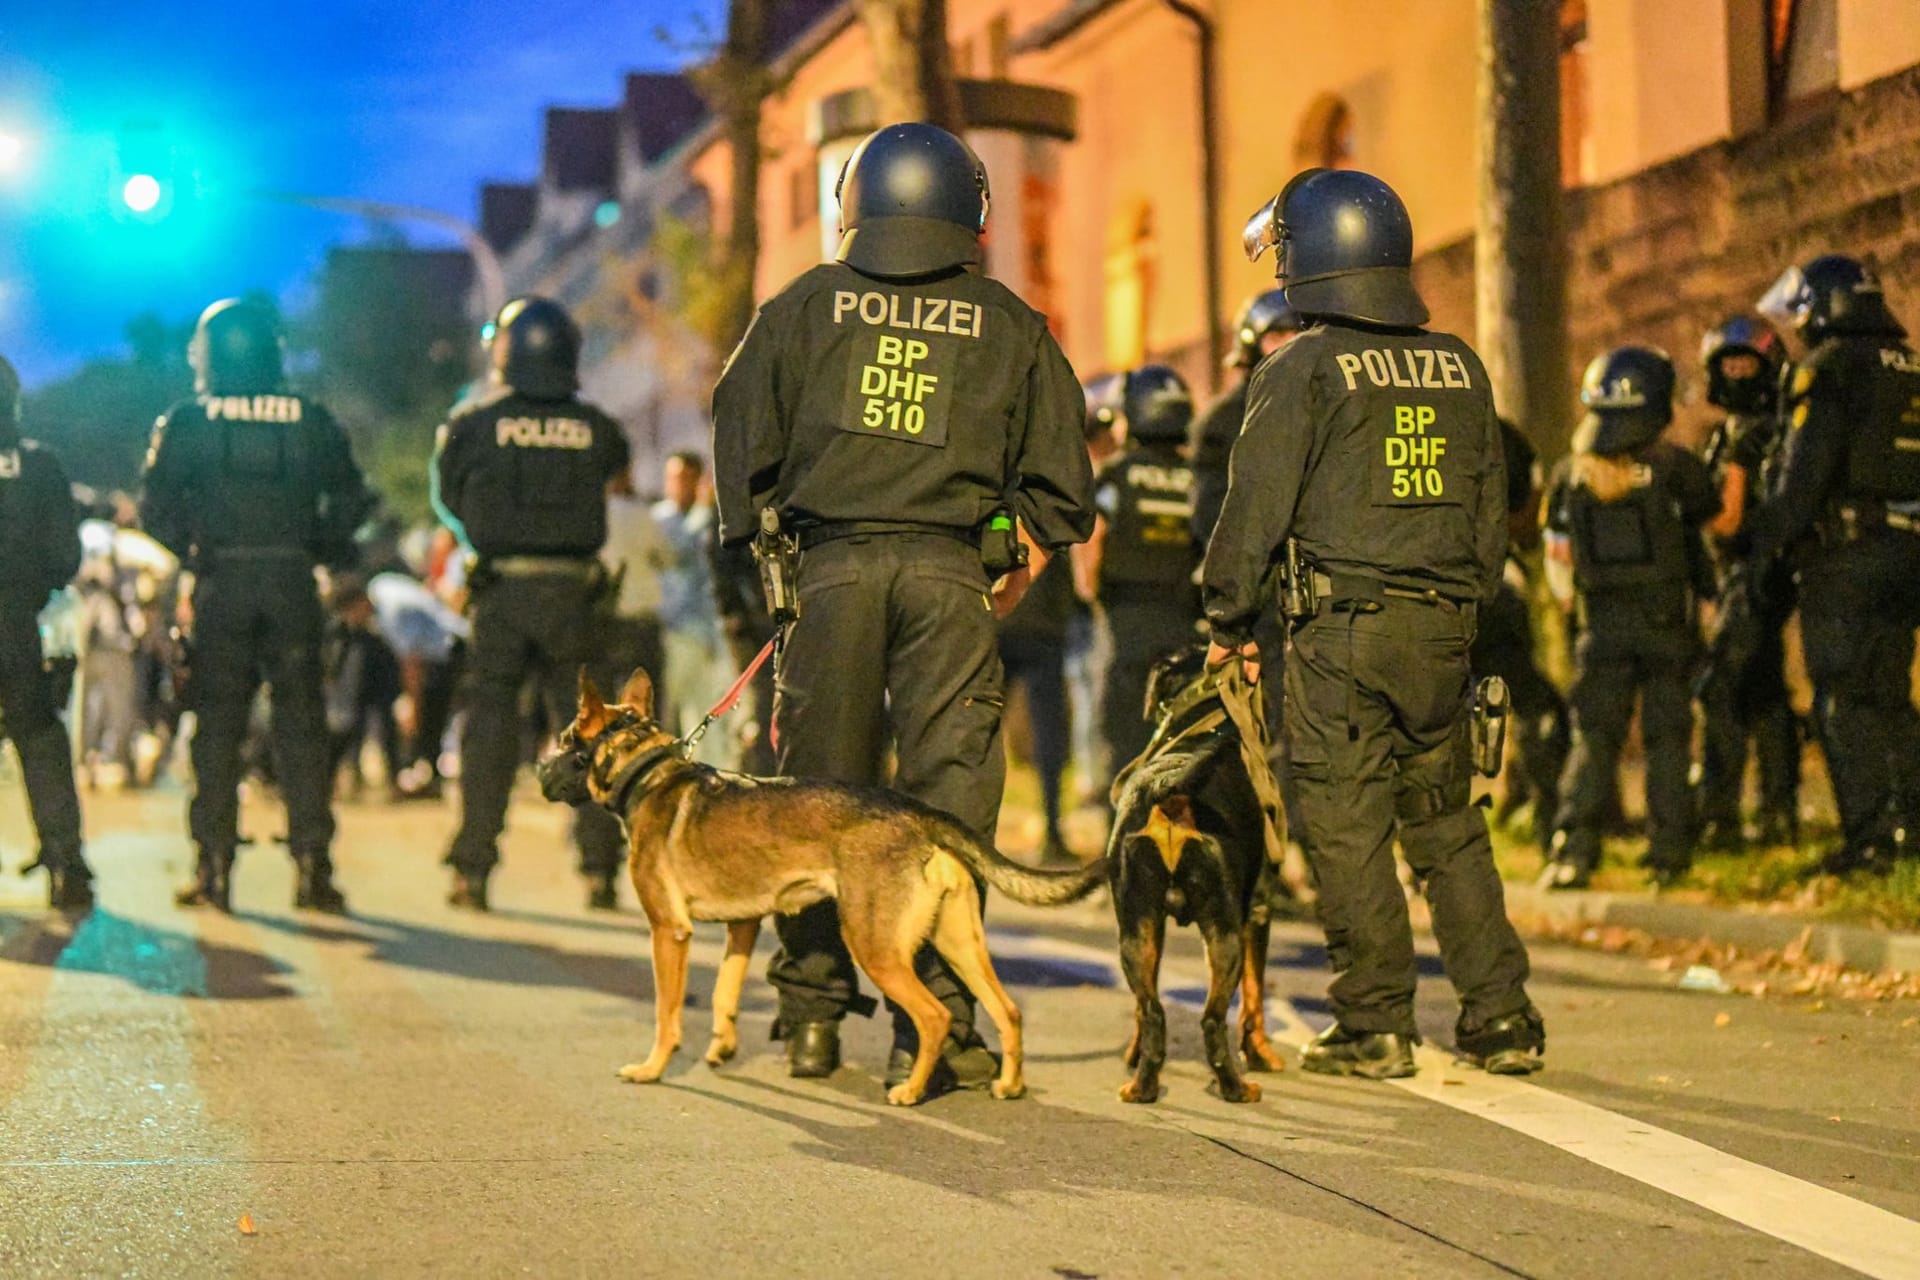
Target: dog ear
column 638, row 695
column 593, row 710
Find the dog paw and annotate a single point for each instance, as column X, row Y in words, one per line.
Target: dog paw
column 904, row 1095
column 1134, row 1091
column 642, row 1072
column 1007, row 1091
column 1246, row 1091
column 721, row 1051
column 1262, row 1056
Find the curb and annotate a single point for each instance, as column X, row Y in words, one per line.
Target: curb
column 1855, row 946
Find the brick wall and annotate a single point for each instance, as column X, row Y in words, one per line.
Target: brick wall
column 1665, row 254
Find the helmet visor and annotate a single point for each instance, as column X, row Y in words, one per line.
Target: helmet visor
column 1265, row 231
column 1786, row 302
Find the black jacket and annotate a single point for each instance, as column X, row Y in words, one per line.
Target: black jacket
column 928, row 401
column 39, row 527
column 1212, row 440
column 1379, row 451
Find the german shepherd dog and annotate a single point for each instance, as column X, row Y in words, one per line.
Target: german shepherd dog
column 709, row 845
column 1187, row 842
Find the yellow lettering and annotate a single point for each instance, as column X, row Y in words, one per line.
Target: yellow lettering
column 892, row 349
column 1349, row 366
column 873, row 380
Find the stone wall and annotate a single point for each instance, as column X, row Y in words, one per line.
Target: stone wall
column 1665, row 254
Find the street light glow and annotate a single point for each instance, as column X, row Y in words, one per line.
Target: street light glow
column 13, row 148
column 141, row 192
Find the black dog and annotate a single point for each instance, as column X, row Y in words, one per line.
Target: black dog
column 1188, row 843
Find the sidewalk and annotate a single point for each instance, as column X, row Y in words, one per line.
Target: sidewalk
column 1859, row 947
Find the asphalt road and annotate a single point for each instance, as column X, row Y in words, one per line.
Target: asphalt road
column 415, row 1091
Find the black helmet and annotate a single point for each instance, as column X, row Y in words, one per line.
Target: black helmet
column 235, row 350
column 1629, row 397
column 1264, row 313
column 1158, row 405
column 913, row 201
column 1103, row 402
column 536, row 349
column 1832, row 294
column 1748, row 336
column 1345, row 248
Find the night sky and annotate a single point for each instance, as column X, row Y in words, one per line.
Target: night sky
column 407, row 101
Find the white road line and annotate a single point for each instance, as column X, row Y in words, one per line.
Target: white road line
column 1836, row 1227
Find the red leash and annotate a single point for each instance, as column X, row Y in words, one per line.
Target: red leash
column 732, row 696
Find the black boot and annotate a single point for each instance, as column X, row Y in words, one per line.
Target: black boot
column 813, row 1050
column 315, row 891
column 1376, row 1055
column 469, row 891
column 70, row 888
column 1508, row 1046
column 965, row 1063
column 603, row 893
column 212, row 884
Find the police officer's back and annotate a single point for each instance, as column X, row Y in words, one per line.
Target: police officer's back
column 899, row 410
column 1847, row 518
column 1371, row 443
column 1138, row 566
column 1629, row 509
column 1265, row 324
column 521, row 474
column 1743, row 692
column 253, row 486
column 40, row 531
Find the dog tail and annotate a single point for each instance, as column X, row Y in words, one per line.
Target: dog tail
column 1026, row 885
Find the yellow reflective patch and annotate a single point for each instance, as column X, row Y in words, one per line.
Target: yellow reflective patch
column 1802, row 381
column 1799, row 418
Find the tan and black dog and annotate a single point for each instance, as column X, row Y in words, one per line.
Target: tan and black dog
column 707, row 845
column 1188, row 842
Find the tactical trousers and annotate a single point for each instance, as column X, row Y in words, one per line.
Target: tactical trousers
column 531, row 628
column 257, row 618
column 1139, row 633
column 1622, row 655
column 1858, row 610
column 33, row 722
column 896, row 641
column 1751, row 705
column 1376, row 709
column 1038, row 664
column 1504, row 648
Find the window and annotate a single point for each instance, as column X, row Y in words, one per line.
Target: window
column 1573, row 92
column 1803, row 51
column 1129, row 285
column 1325, row 140
column 803, row 194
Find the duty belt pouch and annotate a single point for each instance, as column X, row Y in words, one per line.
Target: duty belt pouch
column 1491, row 703
column 1001, row 551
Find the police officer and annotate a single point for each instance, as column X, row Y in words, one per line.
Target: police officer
column 252, row 486
column 1847, row 517
column 1504, row 647
column 1265, row 324
column 899, row 410
column 1371, row 444
column 1137, row 568
column 521, row 474
column 1743, row 693
column 40, row 528
column 1628, row 511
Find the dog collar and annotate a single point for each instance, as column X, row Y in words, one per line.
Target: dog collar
column 621, row 786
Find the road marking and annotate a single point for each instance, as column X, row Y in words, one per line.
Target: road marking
column 1822, row 1221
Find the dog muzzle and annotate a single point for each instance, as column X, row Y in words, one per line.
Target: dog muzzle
column 563, row 777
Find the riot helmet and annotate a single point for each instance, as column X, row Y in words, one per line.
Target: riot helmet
column 9, row 404
column 1103, row 403
column 1344, row 248
column 235, row 350
column 1157, row 404
column 1833, row 294
column 1629, row 397
column 1753, row 392
column 536, row 349
column 913, row 201
column 1264, row 313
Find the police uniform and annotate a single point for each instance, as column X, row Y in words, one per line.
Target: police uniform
column 1143, row 589
column 521, row 475
column 40, row 528
column 886, row 405
column 1210, row 445
column 1372, row 444
column 253, row 487
column 1033, row 651
column 1630, row 507
column 1743, row 692
column 1504, row 647
column 1847, row 514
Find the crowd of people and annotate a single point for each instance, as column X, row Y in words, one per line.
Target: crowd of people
column 968, row 516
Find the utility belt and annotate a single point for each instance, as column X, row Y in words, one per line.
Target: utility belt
column 1854, row 519
column 995, row 538
column 483, row 571
column 1306, row 590
column 208, row 559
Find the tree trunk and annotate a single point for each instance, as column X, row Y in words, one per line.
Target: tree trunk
column 913, row 69
column 736, row 84
column 1520, row 247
